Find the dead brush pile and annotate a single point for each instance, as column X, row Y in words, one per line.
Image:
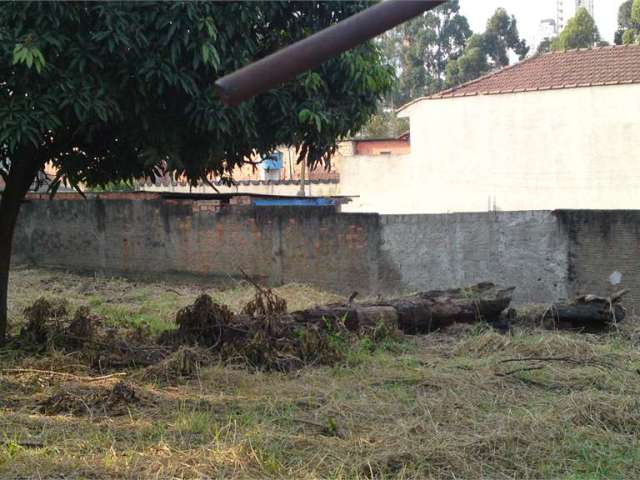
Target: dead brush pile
column 262, row 336
column 83, row 337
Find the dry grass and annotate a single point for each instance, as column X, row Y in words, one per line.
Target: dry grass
column 120, row 301
column 444, row 406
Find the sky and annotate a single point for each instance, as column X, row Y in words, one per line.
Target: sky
column 530, row 12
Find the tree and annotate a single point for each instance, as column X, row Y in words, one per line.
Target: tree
column 420, row 49
column 501, row 36
column 385, row 124
column 489, row 50
column 471, row 65
column 581, row 32
column 624, row 21
column 629, row 37
column 118, row 90
column 628, row 23
column 545, row 46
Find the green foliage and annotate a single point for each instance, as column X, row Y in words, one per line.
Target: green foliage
column 628, row 23
column 545, row 46
column 635, row 13
column 489, row 50
column 114, row 91
column 385, row 124
column 581, row 32
column 624, row 21
column 629, row 37
column 119, row 186
column 29, row 55
column 418, row 51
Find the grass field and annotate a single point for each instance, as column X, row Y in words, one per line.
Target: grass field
column 467, row 403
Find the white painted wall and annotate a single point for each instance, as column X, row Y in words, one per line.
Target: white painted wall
column 569, row 148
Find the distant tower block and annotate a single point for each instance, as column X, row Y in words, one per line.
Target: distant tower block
column 559, row 15
column 588, row 4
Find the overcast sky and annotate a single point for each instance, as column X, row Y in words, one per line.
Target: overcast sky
column 530, row 12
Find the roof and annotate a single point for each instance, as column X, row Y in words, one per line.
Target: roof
column 614, row 65
column 402, row 137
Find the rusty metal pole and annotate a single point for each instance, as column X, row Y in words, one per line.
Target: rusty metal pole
column 285, row 64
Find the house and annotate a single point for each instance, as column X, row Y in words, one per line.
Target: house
column 281, row 174
column 400, row 145
column 557, row 131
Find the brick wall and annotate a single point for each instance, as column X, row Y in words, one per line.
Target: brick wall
column 143, row 233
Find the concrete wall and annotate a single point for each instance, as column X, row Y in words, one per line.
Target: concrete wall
column 525, row 249
column 561, row 149
column 604, row 252
column 375, row 184
column 546, row 255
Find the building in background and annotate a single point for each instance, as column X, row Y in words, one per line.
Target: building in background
column 547, row 29
column 563, row 13
column 560, row 15
column 280, row 173
column 588, row 4
column 557, row 131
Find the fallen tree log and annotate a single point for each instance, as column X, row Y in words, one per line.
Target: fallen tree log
column 355, row 318
column 588, row 312
column 428, row 311
column 420, row 313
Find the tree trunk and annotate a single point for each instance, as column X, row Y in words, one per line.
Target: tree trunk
column 21, row 176
column 419, row 313
column 303, row 169
column 588, row 313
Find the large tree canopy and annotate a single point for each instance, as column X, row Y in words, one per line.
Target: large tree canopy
column 488, row 50
column 581, row 32
column 422, row 47
column 418, row 50
column 112, row 91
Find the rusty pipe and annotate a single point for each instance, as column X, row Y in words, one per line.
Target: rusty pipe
column 285, row 64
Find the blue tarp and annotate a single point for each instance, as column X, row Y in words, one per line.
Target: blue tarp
column 298, row 202
column 272, row 161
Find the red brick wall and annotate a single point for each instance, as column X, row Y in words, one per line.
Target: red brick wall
column 128, row 233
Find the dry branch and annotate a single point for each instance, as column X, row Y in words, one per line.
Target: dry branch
column 18, row 371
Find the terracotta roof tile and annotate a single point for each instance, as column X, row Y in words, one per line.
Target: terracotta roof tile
column 569, row 69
